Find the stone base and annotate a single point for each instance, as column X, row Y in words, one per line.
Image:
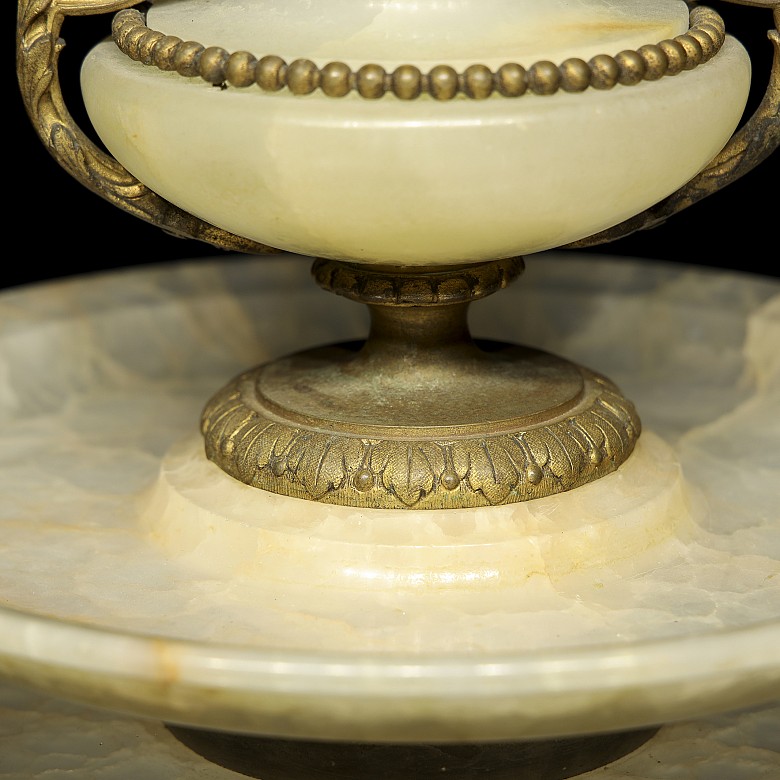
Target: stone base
column 225, row 529
column 388, row 626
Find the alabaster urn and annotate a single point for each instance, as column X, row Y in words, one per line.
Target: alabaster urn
column 418, row 534
column 416, row 133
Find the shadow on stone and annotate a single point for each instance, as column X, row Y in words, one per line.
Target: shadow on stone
column 284, row 759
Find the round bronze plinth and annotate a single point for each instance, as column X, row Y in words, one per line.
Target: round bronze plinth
column 316, row 426
column 419, row 415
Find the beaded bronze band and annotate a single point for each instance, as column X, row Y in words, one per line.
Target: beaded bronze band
column 217, row 66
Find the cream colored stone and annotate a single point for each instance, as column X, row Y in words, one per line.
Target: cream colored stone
column 392, row 32
column 416, row 182
column 101, row 377
column 227, row 530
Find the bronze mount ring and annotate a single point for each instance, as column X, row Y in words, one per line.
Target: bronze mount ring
column 271, row 73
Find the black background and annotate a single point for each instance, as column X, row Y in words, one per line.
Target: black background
column 56, row 227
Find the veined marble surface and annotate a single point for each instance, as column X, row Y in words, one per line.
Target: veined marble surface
column 100, row 377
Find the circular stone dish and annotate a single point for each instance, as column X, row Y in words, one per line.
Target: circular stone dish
column 101, row 601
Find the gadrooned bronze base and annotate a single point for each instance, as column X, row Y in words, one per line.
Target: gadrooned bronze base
column 420, row 415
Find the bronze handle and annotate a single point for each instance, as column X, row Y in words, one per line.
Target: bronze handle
column 746, row 149
column 38, row 46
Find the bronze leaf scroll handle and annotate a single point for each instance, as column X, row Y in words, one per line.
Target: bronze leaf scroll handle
column 38, row 47
column 747, row 148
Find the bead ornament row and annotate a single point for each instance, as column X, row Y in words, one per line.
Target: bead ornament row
column 271, row 73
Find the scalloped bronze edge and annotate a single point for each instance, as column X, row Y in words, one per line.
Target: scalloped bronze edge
column 428, row 285
column 413, row 470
